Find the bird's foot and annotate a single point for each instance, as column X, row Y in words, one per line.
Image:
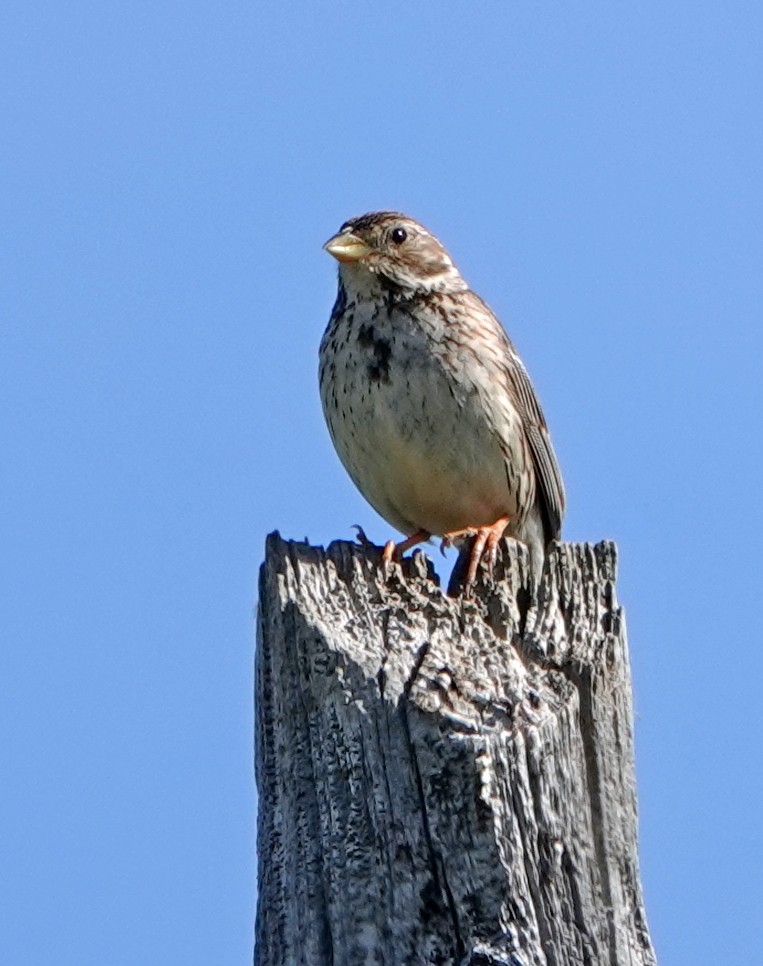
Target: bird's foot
column 391, row 551
column 394, row 551
column 485, row 546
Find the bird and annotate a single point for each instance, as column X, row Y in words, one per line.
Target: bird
column 428, row 404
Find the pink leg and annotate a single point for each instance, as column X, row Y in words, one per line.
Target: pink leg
column 485, row 543
column 394, row 551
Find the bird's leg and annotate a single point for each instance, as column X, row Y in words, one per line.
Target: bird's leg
column 494, row 534
column 486, row 540
column 394, row 551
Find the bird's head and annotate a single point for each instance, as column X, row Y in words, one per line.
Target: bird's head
column 388, row 248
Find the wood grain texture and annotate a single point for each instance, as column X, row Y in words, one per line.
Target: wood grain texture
column 444, row 781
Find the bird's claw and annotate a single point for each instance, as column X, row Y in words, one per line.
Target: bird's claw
column 485, row 546
column 455, row 536
column 391, row 552
column 361, row 537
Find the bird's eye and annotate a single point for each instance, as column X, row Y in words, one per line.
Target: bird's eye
column 398, row 235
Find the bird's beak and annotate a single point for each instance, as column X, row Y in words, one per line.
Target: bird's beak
column 346, row 247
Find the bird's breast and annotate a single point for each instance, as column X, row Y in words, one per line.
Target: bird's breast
column 427, row 443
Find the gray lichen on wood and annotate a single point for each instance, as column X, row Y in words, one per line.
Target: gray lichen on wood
column 441, row 780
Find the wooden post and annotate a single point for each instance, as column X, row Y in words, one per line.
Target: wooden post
column 444, row 781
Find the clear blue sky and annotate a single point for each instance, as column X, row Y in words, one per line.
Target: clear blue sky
column 169, row 172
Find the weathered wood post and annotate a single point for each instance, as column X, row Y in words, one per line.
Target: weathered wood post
column 444, row 781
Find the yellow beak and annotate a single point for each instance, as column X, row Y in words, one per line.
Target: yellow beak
column 346, row 247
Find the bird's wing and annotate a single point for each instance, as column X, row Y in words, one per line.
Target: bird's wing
column 551, row 487
column 546, row 465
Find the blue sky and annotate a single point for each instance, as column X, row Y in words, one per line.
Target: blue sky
column 168, row 173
